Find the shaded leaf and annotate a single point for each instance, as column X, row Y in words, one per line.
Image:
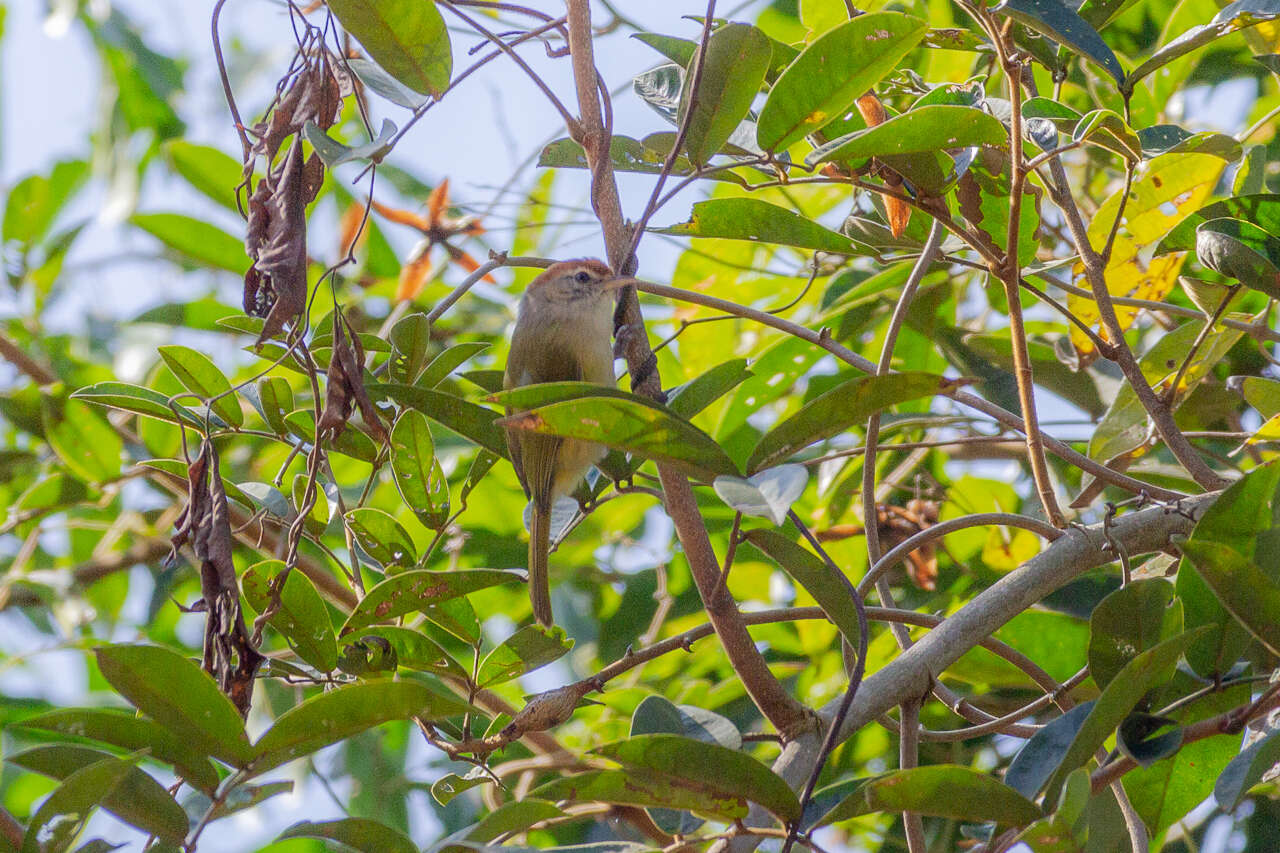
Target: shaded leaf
column 55, row 825
column 1064, row 25
column 345, row 711
column 335, row 153
column 706, row 765
column 637, row 787
column 939, row 790
column 1136, row 617
column 1246, row 770
column 372, row 75
column 1237, row 16
column 1241, row 250
column 129, row 732
column 467, row 419
column 1261, row 210
column 139, row 400
column 358, row 833
column 1043, row 752
column 137, row 799
column 1247, row 591
column 828, row 588
column 178, row 695
column 1137, row 738
column 1152, row 667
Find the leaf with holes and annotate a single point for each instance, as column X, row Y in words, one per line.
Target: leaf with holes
column 302, row 616
column 417, row 590
column 382, row 537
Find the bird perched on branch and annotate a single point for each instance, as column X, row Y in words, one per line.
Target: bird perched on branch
column 562, row 334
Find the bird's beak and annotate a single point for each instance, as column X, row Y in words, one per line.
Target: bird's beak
column 618, row 283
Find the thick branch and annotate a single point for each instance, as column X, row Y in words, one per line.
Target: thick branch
column 787, row 715
column 1077, row 551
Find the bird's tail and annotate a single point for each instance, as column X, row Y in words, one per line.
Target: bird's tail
column 539, row 546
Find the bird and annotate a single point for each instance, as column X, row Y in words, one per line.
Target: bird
column 562, row 334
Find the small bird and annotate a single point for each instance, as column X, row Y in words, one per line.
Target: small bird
column 562, row 334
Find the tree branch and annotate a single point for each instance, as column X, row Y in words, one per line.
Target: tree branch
column 787, row 715
column 1076, row 552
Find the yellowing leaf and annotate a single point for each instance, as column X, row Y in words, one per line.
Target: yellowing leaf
column 1174, row 187
column 1008, row 548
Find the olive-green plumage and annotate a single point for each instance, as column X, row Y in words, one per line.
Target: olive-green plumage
column 562, row 334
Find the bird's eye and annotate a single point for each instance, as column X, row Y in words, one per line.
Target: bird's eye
column 582, row 277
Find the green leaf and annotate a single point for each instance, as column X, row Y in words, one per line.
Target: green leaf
column 1134, row 618
column 627, row 155
column 760, row 222
column 302, row 617
column 1147, row 670
column 1261, row 210
column 417, row 471
column 1171, row 139
column 372, row 75
column 54, row 827
column 129, row 732
column 732, row 72
column 382, row 537
column 178, row 468
column 834, row 411
column 529, row 648
column 508, row 818
column 137, row 799
column 348, row 710
column 706, row 765
column 195, row 239
column 410, row 342
column 412, row 649
column 349, row 442
column 1099, row 13
column 1246, row 770
column 657, row 715
column 828, row 75
column 1075, row 387
column 1109, row 130
column 1044, row 751
column 358, row 833
column 178, row 695
column 34, row 202
column 695, row 395
column 207, row 169
column 765, row 494
column 137, row 399
column 406, row 37
column 1247, row 591
column 1238, row 16
column 473, row 422
column 447, row 787
column 1241, row 250
column 448, row 361
column 923, row 129
column 940, row 790
column 1059, row 22
column 418, row 590
column 199, row 374
column 275, row 394
column 636, row 787
column 1141, row 737
column 678, row 50
column 84, row 441
column 621, row 421
column 335, row 153
column 828, row 588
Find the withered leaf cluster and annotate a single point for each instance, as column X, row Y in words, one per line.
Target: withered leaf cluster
column 275, row 285
column 229, row 656
column 345, row 388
